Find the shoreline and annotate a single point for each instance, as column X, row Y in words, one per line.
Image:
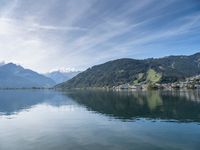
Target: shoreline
column 26, row 89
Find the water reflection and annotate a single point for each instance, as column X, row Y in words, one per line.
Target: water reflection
column 168, row 105
column 74, row 120
column 13, row 101
column 181, row 106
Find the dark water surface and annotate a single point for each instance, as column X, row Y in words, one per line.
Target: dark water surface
column 99, row 120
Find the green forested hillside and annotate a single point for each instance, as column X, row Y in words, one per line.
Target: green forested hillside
column 117, row 72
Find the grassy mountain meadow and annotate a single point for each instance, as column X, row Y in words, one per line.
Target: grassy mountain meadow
column 160, row 70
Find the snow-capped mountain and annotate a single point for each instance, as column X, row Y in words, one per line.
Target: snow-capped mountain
column 62, row 75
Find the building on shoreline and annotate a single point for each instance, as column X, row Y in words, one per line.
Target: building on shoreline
column 189, row 83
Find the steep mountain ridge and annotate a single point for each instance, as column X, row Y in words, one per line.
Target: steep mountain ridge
column 126, row 70
column 15, row 76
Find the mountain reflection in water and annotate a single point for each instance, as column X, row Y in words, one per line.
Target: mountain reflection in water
column 96, row 120
column 168, row 105
column 14, row 101
column 181, row 106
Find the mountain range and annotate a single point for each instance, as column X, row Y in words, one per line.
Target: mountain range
column 61, row 76
column 153, row 70
column 15, row 76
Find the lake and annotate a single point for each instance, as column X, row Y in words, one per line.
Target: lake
column 99, row 120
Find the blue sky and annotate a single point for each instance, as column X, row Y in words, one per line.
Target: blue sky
column 46, row 35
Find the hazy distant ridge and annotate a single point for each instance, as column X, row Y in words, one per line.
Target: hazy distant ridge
column 60, row 76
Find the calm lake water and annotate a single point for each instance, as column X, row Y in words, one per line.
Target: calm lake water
column 99, row 120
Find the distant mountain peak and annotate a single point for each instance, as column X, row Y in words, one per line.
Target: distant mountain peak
column 15, row 76
column 12, row 64
column 60, row 76
column 65, row 70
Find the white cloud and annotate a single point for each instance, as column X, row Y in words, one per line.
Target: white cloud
column 78, row 33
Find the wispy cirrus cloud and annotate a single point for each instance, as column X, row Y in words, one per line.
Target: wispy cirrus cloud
column 45, row 35
column 56, row 28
